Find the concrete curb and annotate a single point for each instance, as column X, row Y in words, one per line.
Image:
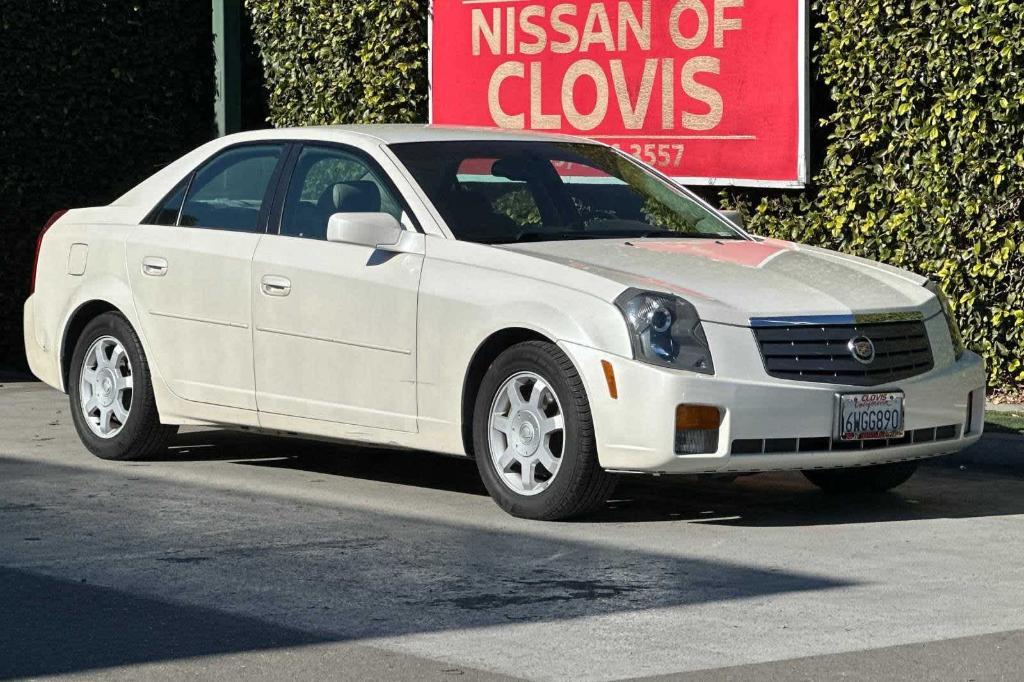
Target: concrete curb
column 1005, row 407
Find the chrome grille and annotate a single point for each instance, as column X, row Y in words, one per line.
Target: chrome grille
column 820, row 353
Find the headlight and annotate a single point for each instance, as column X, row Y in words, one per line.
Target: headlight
column 666, row 331
column 947, row 311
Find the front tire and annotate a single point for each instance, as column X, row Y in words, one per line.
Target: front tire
column 533, row 436
column 870, row 479
column 112, row 403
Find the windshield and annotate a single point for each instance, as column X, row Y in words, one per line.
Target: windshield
column 498, row 192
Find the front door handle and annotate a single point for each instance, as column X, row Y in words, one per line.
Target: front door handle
column 273, row 285
column 154, row 267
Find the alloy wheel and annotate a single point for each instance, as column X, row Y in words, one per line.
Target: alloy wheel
column 526, row 433
column 105, row 387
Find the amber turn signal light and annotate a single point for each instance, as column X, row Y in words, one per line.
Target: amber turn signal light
column 609, row 376
column 697, row 429
column 697, row 418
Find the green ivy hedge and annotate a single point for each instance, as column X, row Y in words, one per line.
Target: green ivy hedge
column 924, row 156
column 96, row 96
column 343, row 61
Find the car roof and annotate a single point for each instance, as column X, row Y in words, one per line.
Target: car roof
column 396, row 133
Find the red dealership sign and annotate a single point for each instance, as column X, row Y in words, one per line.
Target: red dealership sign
column 709, row 91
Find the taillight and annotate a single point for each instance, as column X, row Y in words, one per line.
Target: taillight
column 39, row 243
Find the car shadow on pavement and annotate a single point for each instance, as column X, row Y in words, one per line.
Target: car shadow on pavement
column 786, row 500
column 987, row 480
column 213, row 445
column 103, row 568
column 403, row 467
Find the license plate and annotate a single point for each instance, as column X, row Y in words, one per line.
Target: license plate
column 870, row 416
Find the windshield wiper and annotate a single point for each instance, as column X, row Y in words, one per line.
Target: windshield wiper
column 673, row 234
column 568, row 235
column 557, row 236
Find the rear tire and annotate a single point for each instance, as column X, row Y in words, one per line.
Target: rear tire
column 870, row 479
column 510, row 434
column 112, row 403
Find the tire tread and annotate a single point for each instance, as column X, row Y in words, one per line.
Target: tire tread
column 149, row 437
column 591, row 486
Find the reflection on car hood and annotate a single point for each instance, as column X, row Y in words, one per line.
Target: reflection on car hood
column 731, row 281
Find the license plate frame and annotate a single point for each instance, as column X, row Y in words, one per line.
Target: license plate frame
column 867, row 427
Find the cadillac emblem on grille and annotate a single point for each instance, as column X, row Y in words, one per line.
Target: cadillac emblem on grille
column 862, row 349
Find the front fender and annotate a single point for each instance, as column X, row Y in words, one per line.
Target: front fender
column 462, row 304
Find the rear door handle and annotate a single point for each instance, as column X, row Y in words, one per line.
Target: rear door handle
column 273, row 285
column 154, row 267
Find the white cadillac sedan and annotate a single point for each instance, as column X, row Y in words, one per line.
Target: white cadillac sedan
column 549, row 306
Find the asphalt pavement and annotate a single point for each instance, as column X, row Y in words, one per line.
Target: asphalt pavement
column 241, row 556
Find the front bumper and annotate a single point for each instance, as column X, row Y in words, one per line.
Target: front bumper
column 793, row 420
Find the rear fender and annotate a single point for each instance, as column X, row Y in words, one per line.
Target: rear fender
column 102, row 288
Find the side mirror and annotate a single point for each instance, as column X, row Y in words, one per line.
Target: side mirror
column 735, row 217
column 377, row 230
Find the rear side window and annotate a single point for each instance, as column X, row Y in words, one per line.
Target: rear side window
column 228, row 192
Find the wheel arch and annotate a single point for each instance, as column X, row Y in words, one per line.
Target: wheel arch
column 77, row 321
column 486, row 353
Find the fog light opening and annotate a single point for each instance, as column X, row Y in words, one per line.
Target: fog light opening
column 697, row 428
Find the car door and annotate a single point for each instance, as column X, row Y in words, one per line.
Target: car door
column 190, row 265
column 335, row 324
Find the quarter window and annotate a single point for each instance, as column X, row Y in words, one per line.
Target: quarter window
column 328, row 181
column 227, row 193
column 167, row 213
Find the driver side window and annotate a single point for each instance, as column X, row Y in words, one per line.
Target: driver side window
column 328, row 181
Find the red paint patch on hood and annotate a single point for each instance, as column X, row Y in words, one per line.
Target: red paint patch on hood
column 747, row 254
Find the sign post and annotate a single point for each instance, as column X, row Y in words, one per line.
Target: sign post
column 712, row 92
column 227, row 16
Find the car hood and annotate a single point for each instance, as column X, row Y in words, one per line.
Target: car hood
column 732, row 281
